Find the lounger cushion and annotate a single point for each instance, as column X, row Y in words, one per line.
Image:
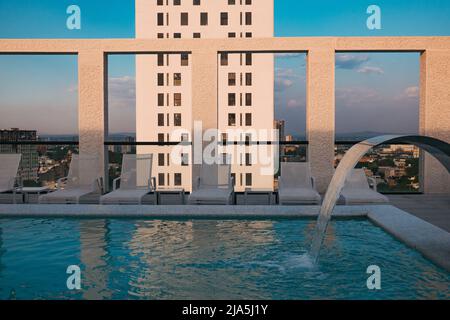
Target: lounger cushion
column 210, row 196
column 124, row 196
column 64, row 196
column 298, row 195
column 362, row 196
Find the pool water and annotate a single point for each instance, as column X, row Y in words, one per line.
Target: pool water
column 208, row 259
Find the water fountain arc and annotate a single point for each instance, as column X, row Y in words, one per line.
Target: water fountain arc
column 437, row 148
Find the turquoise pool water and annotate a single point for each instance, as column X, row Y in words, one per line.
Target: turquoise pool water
column 206, row 259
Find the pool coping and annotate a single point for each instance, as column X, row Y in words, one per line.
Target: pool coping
column 431, row 241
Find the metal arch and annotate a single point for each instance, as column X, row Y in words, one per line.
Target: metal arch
column 437, row 148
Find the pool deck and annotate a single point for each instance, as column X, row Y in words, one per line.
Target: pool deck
column 433, row 208
column 419, row 221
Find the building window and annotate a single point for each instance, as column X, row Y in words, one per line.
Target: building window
column 160, row 119
column 224, row 59
column 160, row 59
column 231, row 34
column 248, row 179
column 248, row 35
column 184, row 59
column 231, row 79
column 224, row 137
column 248, row 79
column 161, row 181
column 161, row 159
column 160, row 137
column 177, row 179
column 177, row 119
column 184, row 159
column 160, row 18
column 231, row 99
column 177, row 35
column 196, row 35
column 231, row 119
column 224, row 18
column 196, row 2
column 160, row 99
column 184, row 18
column 231, row 2
column 204, row 18
column 160, row 35
column 248, row 2
column 248, row 59
column 177, row 79
column 248, row 119
column 248, row 159
column 223, row 158
column 160, row 2
column 177, row 99
column 184, row 137
column 176, row 2
column 248, row 18
column 160, row 79
column 248, row 99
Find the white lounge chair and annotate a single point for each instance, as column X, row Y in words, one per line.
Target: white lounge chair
column 357, row 190
column 296, row 185
column 9, row 165
column 214, row 186
column 83, row 179
column 135, row 181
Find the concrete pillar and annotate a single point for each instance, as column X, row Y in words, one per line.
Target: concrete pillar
column 92, row 106
column 204, row 99
column 435, row 114
column 320, row 111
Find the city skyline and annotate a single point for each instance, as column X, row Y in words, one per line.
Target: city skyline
column 381, row 86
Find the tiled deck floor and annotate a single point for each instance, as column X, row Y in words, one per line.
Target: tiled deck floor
column 434, row 209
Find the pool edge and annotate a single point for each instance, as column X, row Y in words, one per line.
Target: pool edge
column 431, row 241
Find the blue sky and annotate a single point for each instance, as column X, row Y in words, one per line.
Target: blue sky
column 368, row 86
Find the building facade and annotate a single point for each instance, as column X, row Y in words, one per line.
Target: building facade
column 245, row 81
column 29, row 164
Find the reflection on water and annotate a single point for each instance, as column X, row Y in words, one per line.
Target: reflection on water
column 94, row 258
column 208, row 259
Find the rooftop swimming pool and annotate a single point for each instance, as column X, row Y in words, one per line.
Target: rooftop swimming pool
column 208, row 259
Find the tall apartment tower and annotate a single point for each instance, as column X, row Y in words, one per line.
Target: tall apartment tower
column 164, row 91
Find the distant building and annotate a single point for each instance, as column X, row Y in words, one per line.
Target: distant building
column 123, row 148
column 280, row 125
column 29, row 165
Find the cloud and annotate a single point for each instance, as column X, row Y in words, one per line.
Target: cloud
column 287, row 55
column 350, row 61
column 293, row 103
column 282, row 84
column 356, row 96
column 370, row 70
column 286, row 73
column 122, row 91
column 412, row 92
column 409, row 94
column 284, row 78
column 72, row 88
